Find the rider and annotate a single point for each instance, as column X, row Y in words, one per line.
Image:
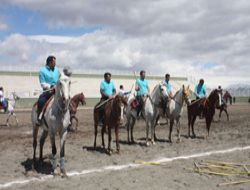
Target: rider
column 122, row 92
column 168, row 86
column 200, row 89
column 220, row 91
column 142, row 91
column 200, row 92
column 108, row 91
column 48, row 77
column 3, row 101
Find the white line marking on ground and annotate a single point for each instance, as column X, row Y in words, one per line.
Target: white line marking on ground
column 121, row 167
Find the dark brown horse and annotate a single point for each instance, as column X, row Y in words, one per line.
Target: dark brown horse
column 205, row 106
column 74, row 102
column 112, row 117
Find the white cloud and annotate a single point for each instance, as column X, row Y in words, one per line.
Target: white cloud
column 178, row 37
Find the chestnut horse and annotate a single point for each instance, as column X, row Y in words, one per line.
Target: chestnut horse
column 74, row 102
column 205, row 105
column 112, row 117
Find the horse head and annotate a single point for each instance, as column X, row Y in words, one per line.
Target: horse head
column 121, row 100
column 214, row 97
column 186, row 94
column 163, row 92
column 82, row 99
column 63, row 90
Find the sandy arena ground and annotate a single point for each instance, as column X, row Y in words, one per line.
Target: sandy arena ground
column 87, row 168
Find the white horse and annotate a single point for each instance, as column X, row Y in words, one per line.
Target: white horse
column 175, row 109
column 56, row 119
column 154, row 106
column 11, row 107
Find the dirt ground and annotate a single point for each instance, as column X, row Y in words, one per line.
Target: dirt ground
column 90, row 165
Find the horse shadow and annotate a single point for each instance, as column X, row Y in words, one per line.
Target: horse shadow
column 131, row 143
column 43, row 167
column 192, row 137
column 97, row 149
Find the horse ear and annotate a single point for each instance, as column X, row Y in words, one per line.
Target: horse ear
column 183, row 86
column 188, row 87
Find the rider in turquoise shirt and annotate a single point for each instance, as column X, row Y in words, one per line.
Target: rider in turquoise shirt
column 48, row 77
column 107, row 87
column 168, row 85
column 142, row 91
column 200, row 89
column 108, row 91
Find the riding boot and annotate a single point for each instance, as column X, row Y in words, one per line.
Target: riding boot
column 39, row 120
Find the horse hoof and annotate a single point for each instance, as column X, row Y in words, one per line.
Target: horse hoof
column 56, row 172
column 109, row 152
column 178, row 141
column 147, row 144
column 153, row 142
column 64, row 175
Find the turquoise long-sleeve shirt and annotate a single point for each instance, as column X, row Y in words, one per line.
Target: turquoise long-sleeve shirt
column 48, row 77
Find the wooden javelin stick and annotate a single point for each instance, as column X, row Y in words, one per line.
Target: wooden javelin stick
column 103, row 103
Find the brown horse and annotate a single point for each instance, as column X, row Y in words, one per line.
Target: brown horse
column 205, row 106
column 112, row 117
column 74, row 102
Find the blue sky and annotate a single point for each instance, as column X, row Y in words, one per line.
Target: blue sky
column 202, row 39
column 30, row 22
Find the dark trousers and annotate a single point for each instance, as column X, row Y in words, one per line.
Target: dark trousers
column 140, row 102
column 4, row 103
column 102, row 109
column 43, row 98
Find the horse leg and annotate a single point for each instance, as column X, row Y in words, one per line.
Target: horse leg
column 15, row 118
column 221, row 109
column 178, row 124
column 42, row 140
column 189, row 124
column 53, row 159
column 117, row 139
column 109, row 139
column 156, row 121
column 62, row 152
column 103, row 130
column 128, row 127
column 152, row 131
column 35, row 132
column 95, row 125
column 7, row 121
column 192, row 125
column 147, row 131
column 225, row 110
column 208, row 124
column 76, row 123
column 132, row 129
column 170, row 130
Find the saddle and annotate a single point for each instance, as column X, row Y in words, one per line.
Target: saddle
column 45, row 107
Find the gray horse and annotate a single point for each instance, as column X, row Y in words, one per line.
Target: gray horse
column 56, row 119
